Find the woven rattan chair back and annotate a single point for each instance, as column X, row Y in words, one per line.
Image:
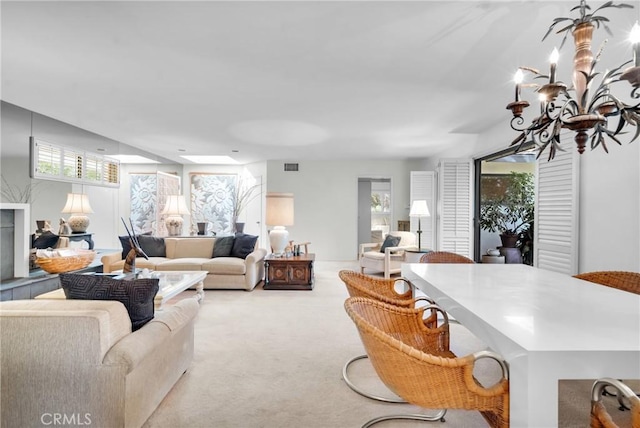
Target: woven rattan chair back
column 600, row 418
column 361, row 285
column 627, row 281
column 444, row 257
column 403, row 354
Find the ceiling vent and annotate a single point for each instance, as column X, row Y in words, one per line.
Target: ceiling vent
column 290, row 166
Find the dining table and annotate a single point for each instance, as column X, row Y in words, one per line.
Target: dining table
column 548, row 326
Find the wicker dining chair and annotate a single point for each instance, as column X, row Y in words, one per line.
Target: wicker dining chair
column 600, row 418
column 383, row 290
column 627, row 281
column 444, row 257
column 423, row 373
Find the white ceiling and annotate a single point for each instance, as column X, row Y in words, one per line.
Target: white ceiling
column 294, row 80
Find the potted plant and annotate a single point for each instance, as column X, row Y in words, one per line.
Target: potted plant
column 509, row 212
column 245, row 192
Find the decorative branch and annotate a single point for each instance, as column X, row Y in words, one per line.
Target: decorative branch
column 16, row 194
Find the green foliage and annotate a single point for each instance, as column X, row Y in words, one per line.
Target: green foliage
column 375, row 201
column 511, row 211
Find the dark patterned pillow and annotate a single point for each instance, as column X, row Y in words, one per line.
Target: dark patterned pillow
column 46, row 240
column 152, row 246
column 243, row 245
column 390, row 241
column 223, row 245
column 136, row 295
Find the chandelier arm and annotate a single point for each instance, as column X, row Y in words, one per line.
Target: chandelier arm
column 598, row 139
column 612, row 136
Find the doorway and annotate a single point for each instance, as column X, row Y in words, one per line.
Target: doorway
column 375, row 212
column 492, row 173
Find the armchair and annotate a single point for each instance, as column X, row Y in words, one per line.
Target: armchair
column 390, row 261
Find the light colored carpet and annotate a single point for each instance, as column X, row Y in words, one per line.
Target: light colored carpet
column 273, row 359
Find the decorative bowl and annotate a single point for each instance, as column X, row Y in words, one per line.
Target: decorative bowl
column 493, row 252
column 80, row 260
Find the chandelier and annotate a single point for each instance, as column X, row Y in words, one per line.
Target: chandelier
column 587, row 107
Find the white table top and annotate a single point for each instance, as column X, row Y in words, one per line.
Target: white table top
column 548, row 326
column 538, row 309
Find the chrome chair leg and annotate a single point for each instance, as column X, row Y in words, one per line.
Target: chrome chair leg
column 412, row 417
column 355, row 388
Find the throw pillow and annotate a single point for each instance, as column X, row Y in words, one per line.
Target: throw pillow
column 136, row 295
column 46, row 240
column 152, row 246
column 223, row 245
column 126, row 245
column 243, row 245
column 390, row 241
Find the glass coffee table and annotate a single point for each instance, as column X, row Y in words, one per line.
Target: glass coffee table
column 171, row 284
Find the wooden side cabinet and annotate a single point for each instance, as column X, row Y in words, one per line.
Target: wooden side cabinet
column 289, row 273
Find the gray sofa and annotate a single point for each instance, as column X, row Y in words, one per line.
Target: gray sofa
column 196, row 253
column 78, row 361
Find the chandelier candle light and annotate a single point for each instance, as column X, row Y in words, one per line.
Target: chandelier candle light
column 279, row 214
column 174, row 208
column 78, row 206
column 419, row 209
column 592, row 112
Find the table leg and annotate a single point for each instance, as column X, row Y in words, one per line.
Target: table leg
column 157, row 302
column 200, row 292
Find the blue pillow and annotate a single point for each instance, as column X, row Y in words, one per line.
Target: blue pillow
column 223, row 245
column 46, row 240
column 243, row 245
column 390, row 241
column 152, row 246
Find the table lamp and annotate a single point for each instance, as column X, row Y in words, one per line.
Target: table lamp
column 279, row 214
column 174, row 208
column 419, row 209
column 78, row 206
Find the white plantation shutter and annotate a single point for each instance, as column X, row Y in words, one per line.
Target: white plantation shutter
column 423, row 187
column 455, row 231
column 54, row 162
column 556, row 213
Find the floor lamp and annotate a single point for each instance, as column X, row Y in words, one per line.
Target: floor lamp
column 279, row 214
column 419, row 209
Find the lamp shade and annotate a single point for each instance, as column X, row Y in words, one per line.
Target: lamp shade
column 77, row 203
column 279, row 209
column 419, row 209
column 175, row 205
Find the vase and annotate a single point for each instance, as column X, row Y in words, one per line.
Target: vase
column 202, row 228
column 239, row 227
column 508, row 240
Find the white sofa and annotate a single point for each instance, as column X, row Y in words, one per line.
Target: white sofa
column 195, row 253
column 79, row 360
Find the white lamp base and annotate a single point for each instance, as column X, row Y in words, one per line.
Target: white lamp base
column 174, row 225
column 78, row 223
column 278, row 239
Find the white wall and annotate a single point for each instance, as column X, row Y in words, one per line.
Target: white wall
column 50, row 196
column 326, row 200
column 610, row 209
column 108, row 204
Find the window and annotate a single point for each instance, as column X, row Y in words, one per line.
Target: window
column 53, row 162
